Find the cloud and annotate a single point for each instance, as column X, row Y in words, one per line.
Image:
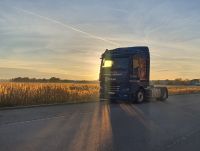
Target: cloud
column 66, row 38
column 20, row 72
column 9, row 73
column 67, row 26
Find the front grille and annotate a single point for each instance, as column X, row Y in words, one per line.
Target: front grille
column 115, row 91
column 114, row 88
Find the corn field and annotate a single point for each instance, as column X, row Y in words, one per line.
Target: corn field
column 13, row 94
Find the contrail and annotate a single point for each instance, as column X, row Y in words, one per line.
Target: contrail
column 67, row 26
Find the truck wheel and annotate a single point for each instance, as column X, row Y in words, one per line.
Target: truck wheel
column 164, row 94
column 140, row 96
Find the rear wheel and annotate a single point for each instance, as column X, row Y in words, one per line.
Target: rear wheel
column 140, row 96
column 164, row 93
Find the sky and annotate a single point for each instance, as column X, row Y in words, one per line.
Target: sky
column 65, row 38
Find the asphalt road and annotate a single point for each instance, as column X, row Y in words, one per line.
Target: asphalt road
column 173, row 125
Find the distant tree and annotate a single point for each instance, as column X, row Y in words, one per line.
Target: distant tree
column 54, row 79
column 195, row 82
column 178, row 81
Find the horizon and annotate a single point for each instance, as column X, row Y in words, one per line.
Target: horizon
column 65, row 39
column 30, row 78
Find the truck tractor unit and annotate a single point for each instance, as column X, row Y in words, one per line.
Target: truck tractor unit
column 124, row 75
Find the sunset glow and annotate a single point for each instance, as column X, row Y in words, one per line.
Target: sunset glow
column 65, row 39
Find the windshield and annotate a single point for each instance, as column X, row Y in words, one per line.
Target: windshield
column 115, row 63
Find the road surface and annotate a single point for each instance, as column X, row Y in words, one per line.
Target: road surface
column 155, row 126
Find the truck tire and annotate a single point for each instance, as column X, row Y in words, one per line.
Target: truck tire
column 164, row 96
column 140, row 96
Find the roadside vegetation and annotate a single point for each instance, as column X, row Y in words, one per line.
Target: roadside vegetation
column 183, row 89
column 15, row 93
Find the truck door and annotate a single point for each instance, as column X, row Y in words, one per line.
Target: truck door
column 139, row 68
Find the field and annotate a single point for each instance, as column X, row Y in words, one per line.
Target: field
column 183, row 89
column 13, row 94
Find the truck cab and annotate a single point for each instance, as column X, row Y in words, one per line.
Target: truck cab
column 124, row 75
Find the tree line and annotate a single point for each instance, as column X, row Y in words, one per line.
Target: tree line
column 177, row 81
column 50, row 80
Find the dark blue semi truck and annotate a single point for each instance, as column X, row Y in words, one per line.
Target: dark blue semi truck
column 124, row 75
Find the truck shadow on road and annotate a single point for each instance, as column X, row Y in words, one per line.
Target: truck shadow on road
column 130, row 126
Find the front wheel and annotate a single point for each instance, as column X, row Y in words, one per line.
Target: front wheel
column 140, row 96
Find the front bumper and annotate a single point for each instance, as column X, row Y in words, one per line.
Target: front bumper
column 114, row 96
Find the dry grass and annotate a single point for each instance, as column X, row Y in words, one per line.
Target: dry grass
column 183, row 89
column 12, row 94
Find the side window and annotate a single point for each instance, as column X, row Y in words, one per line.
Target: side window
column 139, row 68
column 135, row 66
